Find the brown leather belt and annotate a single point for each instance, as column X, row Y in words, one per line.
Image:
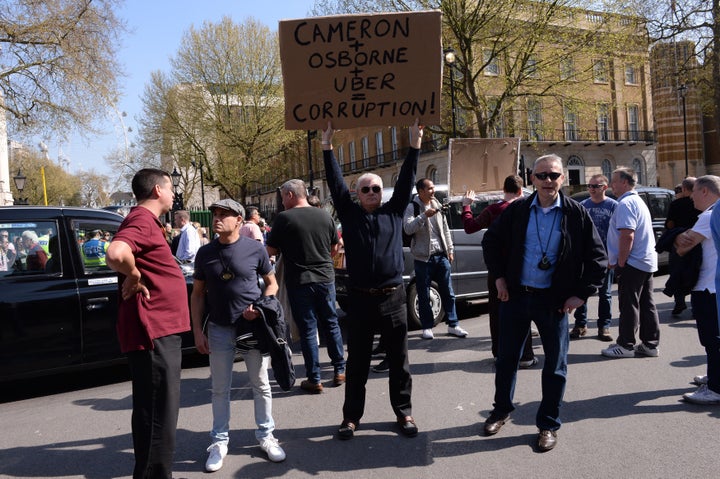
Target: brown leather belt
column 531, row 290
column 376, row 291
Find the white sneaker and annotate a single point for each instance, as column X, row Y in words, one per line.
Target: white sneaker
column 272, row 448
column 617, row 351
column 642, row 350
column 457, row 331
column 218, row 451
column 427, row 334
column 703, row 395
column 700, row 380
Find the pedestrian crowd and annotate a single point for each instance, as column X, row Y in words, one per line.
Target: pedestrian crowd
column 546, row 254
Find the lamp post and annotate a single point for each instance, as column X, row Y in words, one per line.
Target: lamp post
column 177, row 200
column 450, row 59
column 19, row 180
column 682, row 90
column 199, row 164
column 311, row 173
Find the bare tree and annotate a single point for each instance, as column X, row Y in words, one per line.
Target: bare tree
column 221, row 104
column 58, row 63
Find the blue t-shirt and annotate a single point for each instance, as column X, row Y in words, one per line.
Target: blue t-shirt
column 600, row 214
column 245, row 260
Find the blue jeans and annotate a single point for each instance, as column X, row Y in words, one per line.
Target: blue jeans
column 222, row 356
column 704, row 309
column 604, row 305
column 436, row 268
column 515, row 317
column 313, row 306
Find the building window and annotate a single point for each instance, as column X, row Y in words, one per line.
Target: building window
column 599, row 71
column 534, row 115
column 531, row 68
column 394, row 143
column 576, row 171
column 496, row 129
column 351, row 151
column 569, row 122
column 364, row 145
column 630, row 75
column 607, row 168
column 432, row 174
column 379, row 147
column 603, row 121
column 567, row 69
column 637, row 165
column 633, row 123
column 490, row 60
column 341, row 155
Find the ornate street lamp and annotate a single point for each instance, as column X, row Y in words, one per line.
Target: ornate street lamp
column 450, row 59
column 19, row 180
column 178, row 200
column 682, row 90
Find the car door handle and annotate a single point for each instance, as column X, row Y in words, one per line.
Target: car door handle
column 96, row 303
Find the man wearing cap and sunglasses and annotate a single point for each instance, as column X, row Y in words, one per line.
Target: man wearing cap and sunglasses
column 547, row 258
column 375, row 263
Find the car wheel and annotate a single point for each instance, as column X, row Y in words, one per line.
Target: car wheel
column 414, row 310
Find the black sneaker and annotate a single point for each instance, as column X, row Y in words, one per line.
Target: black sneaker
column 382, row 366
column 678, row 309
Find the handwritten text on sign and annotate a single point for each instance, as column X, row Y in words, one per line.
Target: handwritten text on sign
column 361, row 70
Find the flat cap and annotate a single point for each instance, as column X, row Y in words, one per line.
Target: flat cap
column 228, row 204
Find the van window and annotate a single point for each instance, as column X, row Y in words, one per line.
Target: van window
column 29, row 248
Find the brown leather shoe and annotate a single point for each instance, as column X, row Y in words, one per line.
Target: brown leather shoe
column 547, row 440
column 407, row 426
column 604, row 335
column 578, row 331
column 339, row 379
column 494, row 423
column 311, row 387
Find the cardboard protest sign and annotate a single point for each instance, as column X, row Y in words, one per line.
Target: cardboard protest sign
column 362, row 70
column 481, row 164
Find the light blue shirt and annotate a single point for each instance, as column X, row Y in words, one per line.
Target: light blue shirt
column 542, row 236
column 633, row 214
column 715, row 230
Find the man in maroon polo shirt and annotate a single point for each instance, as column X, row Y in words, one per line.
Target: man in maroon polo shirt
column 152, row 314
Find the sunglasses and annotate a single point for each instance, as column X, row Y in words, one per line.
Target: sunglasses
column 591, row 186
column 544, row 176
column 366, row 189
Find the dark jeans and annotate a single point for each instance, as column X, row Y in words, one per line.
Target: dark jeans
column 515, row 317
column 705, row 312
column 156, row 400
column 637, row 308
column 313, row 306
column 494, row 314
column 437, row 268
column 366, row 315
column 604, row 305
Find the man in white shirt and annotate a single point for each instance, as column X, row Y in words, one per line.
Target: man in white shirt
column 189, row 239
column 705, row 194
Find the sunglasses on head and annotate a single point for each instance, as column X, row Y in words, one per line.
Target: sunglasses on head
column 594, row 186
column 366, row 189
column 544, row 176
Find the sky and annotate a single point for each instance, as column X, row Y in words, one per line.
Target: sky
column 156, row 28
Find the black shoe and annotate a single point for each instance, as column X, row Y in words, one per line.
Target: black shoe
column 678, row 309
column 347, row 430
column 547, row 440
column 408, row 426
column 382, row 366
column 494, row 423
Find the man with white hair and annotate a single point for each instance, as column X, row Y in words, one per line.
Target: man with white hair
column 705, row 194
column 36, row 255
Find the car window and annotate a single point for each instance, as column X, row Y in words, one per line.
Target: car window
column 29, row 248
column 92, row 239
column 658, row 203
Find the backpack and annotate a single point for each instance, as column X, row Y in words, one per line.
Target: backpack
column 406, row 237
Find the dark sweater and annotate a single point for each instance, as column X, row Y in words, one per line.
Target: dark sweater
column 373, row 241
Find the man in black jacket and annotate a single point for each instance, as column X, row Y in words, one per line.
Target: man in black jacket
column 547, row 258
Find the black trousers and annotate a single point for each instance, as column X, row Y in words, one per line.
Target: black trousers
column 386, row 314
column 156, row 401
column 494, row 314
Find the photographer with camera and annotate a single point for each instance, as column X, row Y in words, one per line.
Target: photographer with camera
column 433, row 250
